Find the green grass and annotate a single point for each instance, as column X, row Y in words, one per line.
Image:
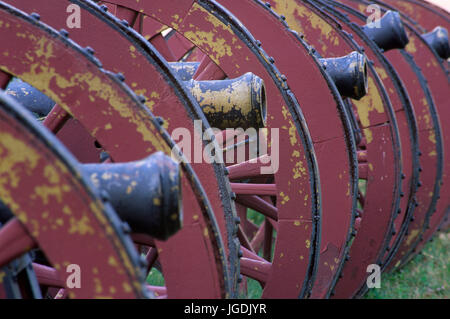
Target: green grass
column 155, row 278
column 427, row 276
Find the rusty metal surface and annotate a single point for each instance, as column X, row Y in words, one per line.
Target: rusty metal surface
column 232, row 103
column 61, row 204
column 234, row 51
column 144, row 136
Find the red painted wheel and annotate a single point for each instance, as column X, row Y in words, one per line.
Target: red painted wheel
column 61, row 204
column 328, row 39
column 434, row 70
column 330, row 128
column 100, row 102
column 421, row 14
column 446, row 224
column 409, row 147
column 430, row 138
column 334, row 240
column 290, row 197
column 170, row 106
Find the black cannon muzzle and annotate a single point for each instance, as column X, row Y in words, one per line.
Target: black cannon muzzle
column 388, row 32
column 146, row 194
column 232, row 103
column 349, row 73
column 438, row 40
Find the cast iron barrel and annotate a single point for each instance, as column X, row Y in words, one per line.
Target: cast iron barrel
column 184, row 70
column 146, row 194
column 388, row 32
column 31, row 98
column 438, row 40
column 5, row 213
column 232, row 103
column 349, row 73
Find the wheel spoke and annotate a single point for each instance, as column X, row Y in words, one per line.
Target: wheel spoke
column 249, row 169
column 56, row 119
column 208, row 70
column 254, row 189
column 14, row 240
column 256, row 269
column 260, row 205
column 48, row 276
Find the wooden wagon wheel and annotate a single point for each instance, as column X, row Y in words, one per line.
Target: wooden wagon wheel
column 226, row 49
column 435, row 70
column 322, row 112
column 425, row 197
column 100, row 101
column 63, row 205
column 408, row 133
column 308, row 19
column 170, row 106
column 424, row 16
column 335, row 240
column 430, row 137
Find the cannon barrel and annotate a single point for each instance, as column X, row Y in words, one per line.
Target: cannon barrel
column 438, row 40
column 349, row 73
column 5, row 213
column 185, row 70
column 388, row 32
column 232, row 103
column 146, row 194
column 33, row 99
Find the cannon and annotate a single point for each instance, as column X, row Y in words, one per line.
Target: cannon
column 349, row 73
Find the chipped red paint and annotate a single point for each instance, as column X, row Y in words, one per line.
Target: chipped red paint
column 426, row 15
column 430, row 137
column 222, row 44
column 146, row 138
column 61, row 204
column 379, row 127
column 330, row 131
column 326, row 144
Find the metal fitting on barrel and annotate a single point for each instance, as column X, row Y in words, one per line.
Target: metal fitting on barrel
column 388, row 32
column 184, row 70
column 146, row 194
column 438, row 40
column 349, row 73
column 232, row 103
